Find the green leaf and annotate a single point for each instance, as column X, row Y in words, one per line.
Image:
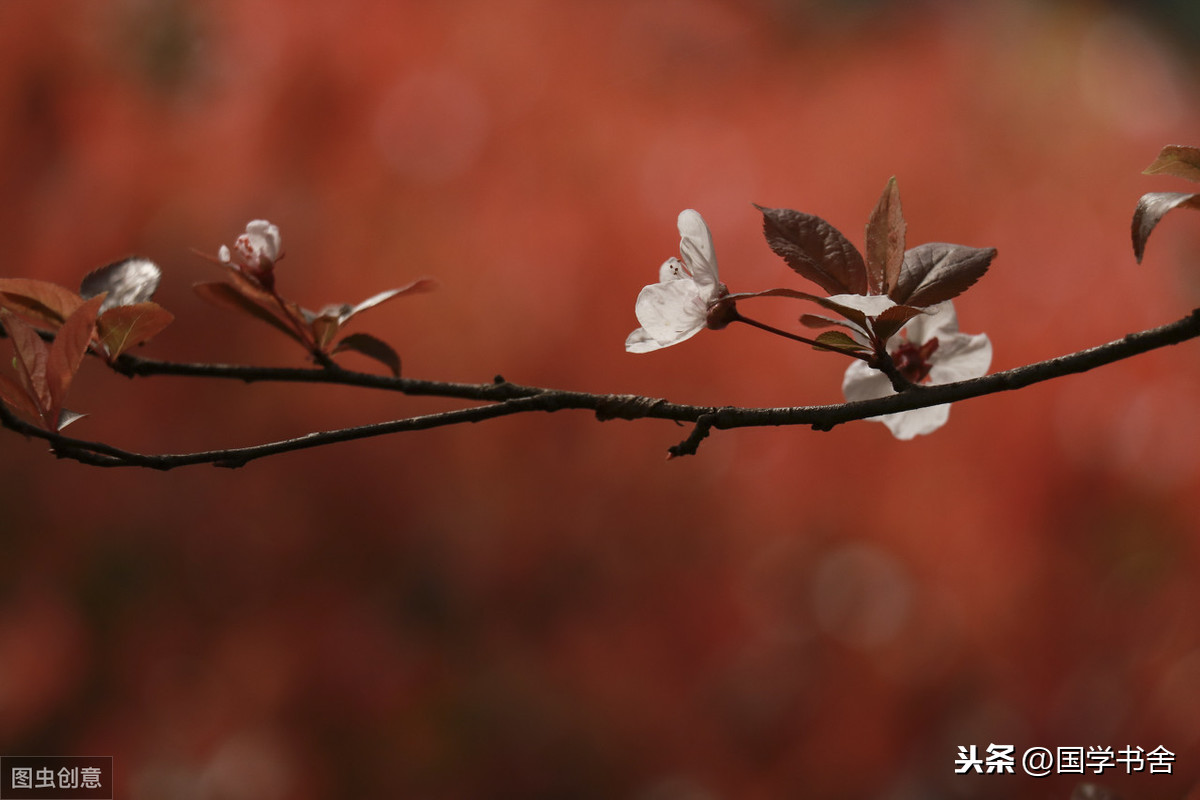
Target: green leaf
column 371, row 347
column 935, row 272
column 1151, row 208
column 816, row 250
column 836, row 340
column 885, row 240
column 1177, row 160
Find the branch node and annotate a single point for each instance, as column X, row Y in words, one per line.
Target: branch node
column 884, row 363
column 689, row 445
column 626, row 406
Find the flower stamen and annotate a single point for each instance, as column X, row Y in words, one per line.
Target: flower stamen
column 912, row 361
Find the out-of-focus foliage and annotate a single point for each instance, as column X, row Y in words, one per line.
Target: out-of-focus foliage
column 540, row 607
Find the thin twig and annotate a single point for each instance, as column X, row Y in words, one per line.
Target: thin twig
column 503, row 398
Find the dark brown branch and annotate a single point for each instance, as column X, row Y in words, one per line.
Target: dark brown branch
column 503, row 398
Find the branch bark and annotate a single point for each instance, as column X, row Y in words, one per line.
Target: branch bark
column 503, row 398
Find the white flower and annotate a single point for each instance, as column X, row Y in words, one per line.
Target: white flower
column 677, row 307
column 256, row 249
column 928, row 349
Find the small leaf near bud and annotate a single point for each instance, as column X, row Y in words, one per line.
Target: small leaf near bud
column 1176, row 160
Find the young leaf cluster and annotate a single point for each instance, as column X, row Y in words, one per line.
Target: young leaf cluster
column 877, row 294
column 52, row 328
column 250, row 289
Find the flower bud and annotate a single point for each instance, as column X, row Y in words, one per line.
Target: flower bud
column 722, row 311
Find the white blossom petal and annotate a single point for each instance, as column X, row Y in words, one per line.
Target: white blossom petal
column 907, row 425
column 672, row 311
column 966, row 357
column 958, row 357
column 676, row 308
column 672, row 270
column 696, row 248
column 264, row 238
column 940, row 320
column 870, row 304
column 641, row 342
column 864, row 383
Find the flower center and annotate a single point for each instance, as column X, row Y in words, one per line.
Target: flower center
column 912, row 361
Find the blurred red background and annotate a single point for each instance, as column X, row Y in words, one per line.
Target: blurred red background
column 542, row 607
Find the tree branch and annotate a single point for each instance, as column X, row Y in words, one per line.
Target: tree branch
column 503, row 398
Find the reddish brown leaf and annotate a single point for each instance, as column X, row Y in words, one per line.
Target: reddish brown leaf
column 16, row 398
column 935, row 272
column 793, row 293
column 856, row 316
column 31, row 353
column 371, row 347
column 66, row 353
column 285, row 310
column 128, row 282
column 290, row 315
column 1177, row 160
column 38, row 302
column 417, row 286
column 226, row 295
column 1151, row 208
column 127, row 326
column 324, row 329
column 817, row 321
column 885, row 240
column 889, row 323
column 816, row 250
